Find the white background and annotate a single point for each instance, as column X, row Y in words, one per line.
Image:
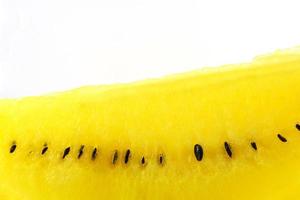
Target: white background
column 55, row 45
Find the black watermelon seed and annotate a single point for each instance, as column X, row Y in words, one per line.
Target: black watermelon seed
column 127, row 156
column 80, row 152
column 44, row 150
column 298, row 127
column 228, row 149
column 161, row 159
column 254, row 146
column 281, row 138
column 143, row 161
column 198, row 151
column 94, row 154
column 66, row 152
column 12, row 148
column 115, row 157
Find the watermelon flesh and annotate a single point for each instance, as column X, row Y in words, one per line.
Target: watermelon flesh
column 226, row 133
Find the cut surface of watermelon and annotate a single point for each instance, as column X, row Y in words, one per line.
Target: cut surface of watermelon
column 226, row 133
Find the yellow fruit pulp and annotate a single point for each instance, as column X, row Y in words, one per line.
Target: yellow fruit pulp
column 160, row 120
